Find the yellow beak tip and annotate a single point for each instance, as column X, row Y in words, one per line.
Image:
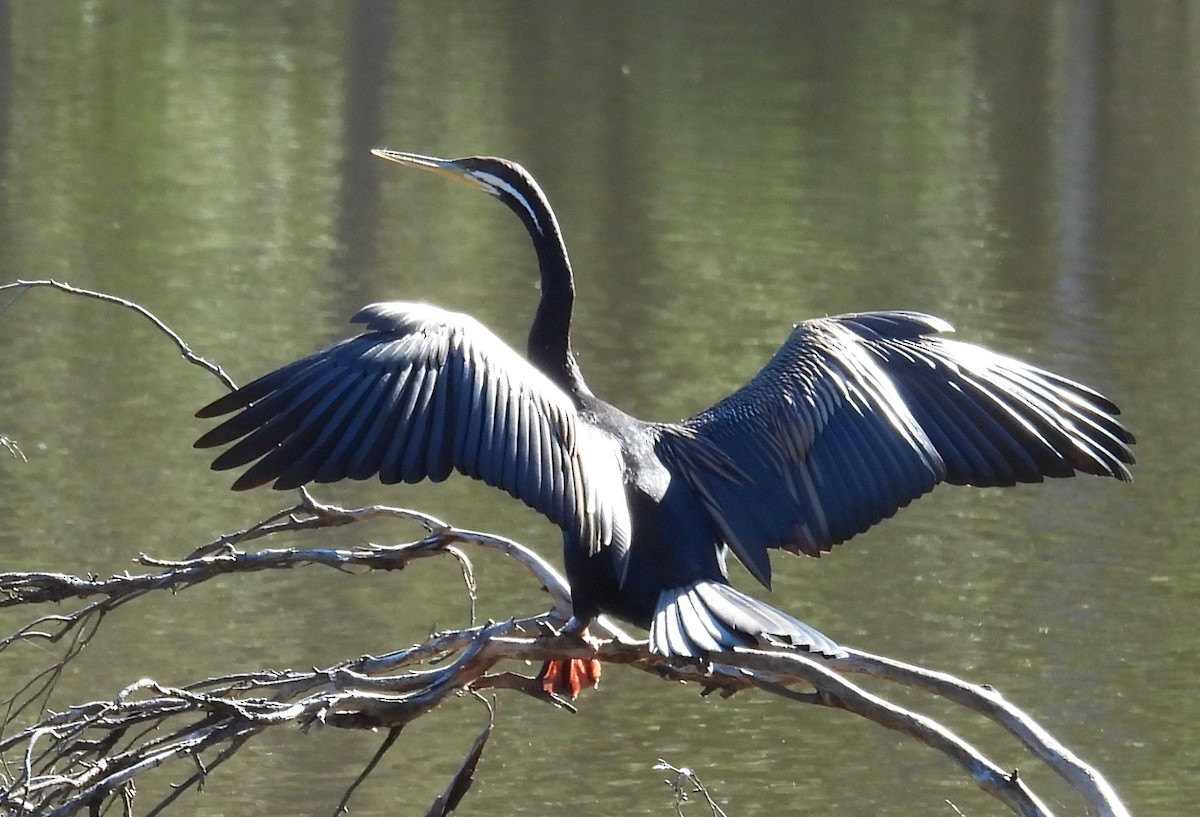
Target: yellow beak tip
column 444, row 167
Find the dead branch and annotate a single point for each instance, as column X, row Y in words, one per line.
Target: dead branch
column 23, row 286
column 13, row 448
column 74, row 759
column 685, row 777
column 88, row 756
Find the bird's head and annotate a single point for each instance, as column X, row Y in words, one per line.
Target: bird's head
column 505, row 180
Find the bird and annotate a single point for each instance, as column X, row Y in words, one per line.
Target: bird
column 852, row 418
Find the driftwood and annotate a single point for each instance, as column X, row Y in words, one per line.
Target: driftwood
column 83, row 759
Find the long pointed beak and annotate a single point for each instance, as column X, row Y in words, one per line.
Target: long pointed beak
column 450, row 168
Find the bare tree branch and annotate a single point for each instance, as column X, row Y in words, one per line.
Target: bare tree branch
column 186, row 351
column 448, row 801
column 1095, row 789
column 389, row 741
column 71, row 758
column 679, row 788
column 13, row 448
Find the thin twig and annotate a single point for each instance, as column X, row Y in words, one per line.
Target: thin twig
column 389, row 740
column 448, row 800
column 13, row 448
column 683, row 776
column 180, row 344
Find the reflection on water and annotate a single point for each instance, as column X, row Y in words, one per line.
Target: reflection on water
column 1028, row 172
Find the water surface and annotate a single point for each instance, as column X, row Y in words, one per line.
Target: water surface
column 1029, row 172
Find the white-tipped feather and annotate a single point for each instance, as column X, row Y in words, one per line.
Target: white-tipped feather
column 677, row 643
column 706, row 617
column 699, row 625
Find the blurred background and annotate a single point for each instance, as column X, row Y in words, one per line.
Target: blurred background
column 1028, row 171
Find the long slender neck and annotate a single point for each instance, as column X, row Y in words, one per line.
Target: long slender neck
column 549, row 346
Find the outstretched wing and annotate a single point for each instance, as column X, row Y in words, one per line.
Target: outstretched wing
column 422, row 392
column 857, row 415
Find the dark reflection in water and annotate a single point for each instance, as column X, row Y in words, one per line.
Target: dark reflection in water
column 368, row 48
column 1030, row 172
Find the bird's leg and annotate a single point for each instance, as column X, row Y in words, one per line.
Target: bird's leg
column 568, row 676
column 578, row 628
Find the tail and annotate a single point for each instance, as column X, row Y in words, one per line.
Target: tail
column 709, row 617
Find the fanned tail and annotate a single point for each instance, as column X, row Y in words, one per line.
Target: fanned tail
column 707, row 617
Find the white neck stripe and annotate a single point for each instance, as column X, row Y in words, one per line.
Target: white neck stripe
column 500, row 184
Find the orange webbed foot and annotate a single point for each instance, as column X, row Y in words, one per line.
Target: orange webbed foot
column 567, row 677
column 570, row 676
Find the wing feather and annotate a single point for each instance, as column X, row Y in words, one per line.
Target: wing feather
column 857, row 415
column 439, row 455
column 340, row 415
column 357, row 428
column 423, row 391
column 369, row 454
column 477, row 414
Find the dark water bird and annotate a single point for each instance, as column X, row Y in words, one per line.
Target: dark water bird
column 851, row 419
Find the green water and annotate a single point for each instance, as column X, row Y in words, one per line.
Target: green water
column 1030, row 172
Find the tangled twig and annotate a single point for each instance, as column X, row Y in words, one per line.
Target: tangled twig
column 91, row 751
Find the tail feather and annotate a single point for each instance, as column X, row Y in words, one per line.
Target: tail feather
column 709, row 617
column 708, row 632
